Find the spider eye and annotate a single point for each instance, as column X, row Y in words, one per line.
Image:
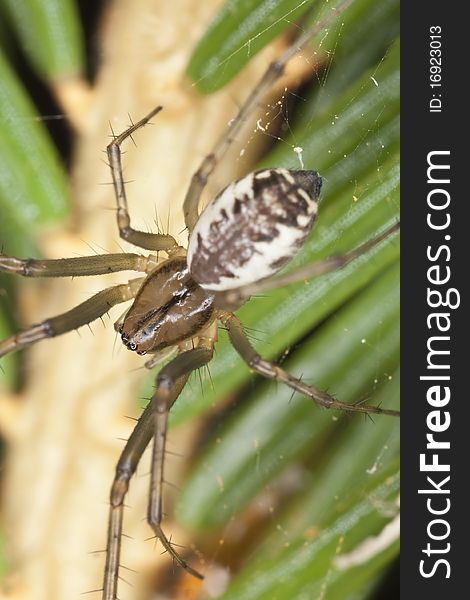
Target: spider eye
column 130, row 345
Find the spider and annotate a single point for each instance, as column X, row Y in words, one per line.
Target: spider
column 250, row 231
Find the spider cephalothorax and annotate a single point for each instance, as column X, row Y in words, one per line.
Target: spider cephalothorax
column 170, row 307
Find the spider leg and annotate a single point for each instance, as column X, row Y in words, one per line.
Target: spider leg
column 232, row 299
column 163, row 399
column 270, row 76
column 77, row 266
column 84, row 313
column 149, row 241
column 125, row 468
column 271, row 371
column 153, row 423
column 159, row 357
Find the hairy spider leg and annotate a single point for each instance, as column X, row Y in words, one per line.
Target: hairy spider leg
column 153, row 423
column 233, row 298
column 271, row 75
column 184, row 363
column 79, row 266
column 125, row 468
column 84, row 313
column 149, row 241
column 271, row 371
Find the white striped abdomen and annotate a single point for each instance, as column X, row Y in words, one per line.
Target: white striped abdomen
column 253, row 228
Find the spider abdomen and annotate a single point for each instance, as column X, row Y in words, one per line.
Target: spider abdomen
column 253, row 228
